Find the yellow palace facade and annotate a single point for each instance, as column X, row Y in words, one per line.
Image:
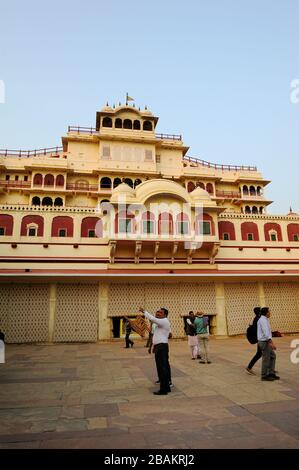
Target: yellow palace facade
column 120, row 217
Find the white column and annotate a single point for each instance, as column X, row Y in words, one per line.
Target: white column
column 221, row 323
column 52, row 309
column 104, row 325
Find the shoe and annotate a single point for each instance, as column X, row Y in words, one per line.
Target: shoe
column 170, row 384
column 250, row 371
column 193, row 358
column 160, row 393
column 275, row 377
column 198, row 356
column 209, row 362
column 268, row 378
column 202, row 362
column 132, row 344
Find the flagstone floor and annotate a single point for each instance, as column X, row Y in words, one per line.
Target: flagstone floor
column 100, row 396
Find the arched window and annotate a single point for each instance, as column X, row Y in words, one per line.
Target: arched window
column 249, row 231
column 107, row 122
column 190, row 186
column 35, row 201
column 182, row 224
column 293, row 232
column 31, row 222
column 47, row 201
column 59, row 180
column 127, row 124
column 165, row 224
column 252, row 191
column 204, row 224
column 37, row 180
column 136, row 125
column 118, row 123
column 62, row 226
column 137, row 182
column 245, row 190
column 116, row 182
column 105, row 183
column 147, row 126
column 124, row 222
column 210, row 188
column 58, row 202
column 259, row 191
column 201, row 185
column 148, row 222
column 91, row 227
column 226, row 230
column 255, row 210
column 247, row 210
column 6, row 224
column 49, row 180
column 129, row 182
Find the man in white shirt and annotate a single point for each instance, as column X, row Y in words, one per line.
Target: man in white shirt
column 161, row 350
column 264, row 336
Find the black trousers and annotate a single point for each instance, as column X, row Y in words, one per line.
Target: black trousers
column 255, row 358
column 128, row 340
column 163, row 366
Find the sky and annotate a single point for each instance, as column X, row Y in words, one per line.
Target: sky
column 218, row 72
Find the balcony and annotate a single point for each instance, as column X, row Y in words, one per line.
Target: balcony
column 82, row 187
column 228, row 194
column 82, row 130
column 15, row 184
column 169, row 137
column 49, row 152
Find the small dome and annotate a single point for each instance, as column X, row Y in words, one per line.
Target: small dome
column 200, row 193
column 123, row 190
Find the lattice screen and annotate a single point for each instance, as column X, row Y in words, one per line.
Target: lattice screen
column 283, row 300
column 76, row 316
column 240, row 300
column 125, row 299
column 24, row 312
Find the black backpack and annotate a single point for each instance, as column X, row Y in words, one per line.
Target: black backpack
column 251, row 332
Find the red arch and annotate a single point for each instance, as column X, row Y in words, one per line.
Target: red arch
column 38, row 179
column 49, row 180
column 293, row 229
column 190, row 186
column 210, row 188
column 32, row 219
column 272, row 226
column 59, row 180
column 249, row 227
column 89, row 223
column 204, row 218
column 62, row 222
column 225, row 226
column 123, row 215
column 6, row 222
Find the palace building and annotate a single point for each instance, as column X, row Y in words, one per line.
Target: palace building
column 120, row 217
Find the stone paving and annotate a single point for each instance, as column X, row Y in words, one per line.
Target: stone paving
column 100, row 396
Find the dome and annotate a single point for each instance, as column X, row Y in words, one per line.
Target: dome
column 200, row 193
column 122, row 191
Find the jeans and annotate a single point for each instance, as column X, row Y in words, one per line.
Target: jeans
column 204, row 346
column 268, row 358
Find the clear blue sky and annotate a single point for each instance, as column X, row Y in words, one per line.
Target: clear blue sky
column 216, row 71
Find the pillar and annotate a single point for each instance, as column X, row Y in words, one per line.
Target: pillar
column 261, row 292
column 52, row 312
column 221, row 323
column 104, row 330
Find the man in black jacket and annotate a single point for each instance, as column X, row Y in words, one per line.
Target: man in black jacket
column 258, row 354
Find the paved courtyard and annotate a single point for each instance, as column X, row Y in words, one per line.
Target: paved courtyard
column 100, row 396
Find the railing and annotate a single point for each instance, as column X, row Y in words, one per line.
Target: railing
column 169, row 136
column 15, row 184
column 31, row 153
column 228, row 194
column 81, row 187
column 82, row 130
column 218, row 166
